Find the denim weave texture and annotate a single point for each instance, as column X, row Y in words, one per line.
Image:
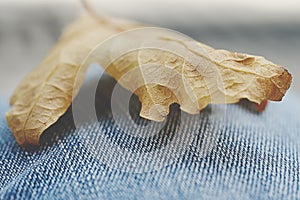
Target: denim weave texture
column 239, row 154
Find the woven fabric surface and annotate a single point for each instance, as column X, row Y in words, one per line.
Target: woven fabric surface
column 225, row 152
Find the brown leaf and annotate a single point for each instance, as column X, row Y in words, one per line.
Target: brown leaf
column 47, row 92
column 162, row 77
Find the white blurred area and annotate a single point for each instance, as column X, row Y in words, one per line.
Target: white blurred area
column 231, row 11
column 29, row 28
column 204, row 11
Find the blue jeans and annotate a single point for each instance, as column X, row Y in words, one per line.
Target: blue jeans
column 225, row 152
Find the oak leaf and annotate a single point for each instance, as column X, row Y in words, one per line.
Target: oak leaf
column 159, row 78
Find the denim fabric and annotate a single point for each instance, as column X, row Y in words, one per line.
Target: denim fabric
column 238, row 154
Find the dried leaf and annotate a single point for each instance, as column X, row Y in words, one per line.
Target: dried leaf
column 162, row 78
column 47, row 92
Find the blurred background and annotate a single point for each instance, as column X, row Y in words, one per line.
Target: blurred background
column 28, row 29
